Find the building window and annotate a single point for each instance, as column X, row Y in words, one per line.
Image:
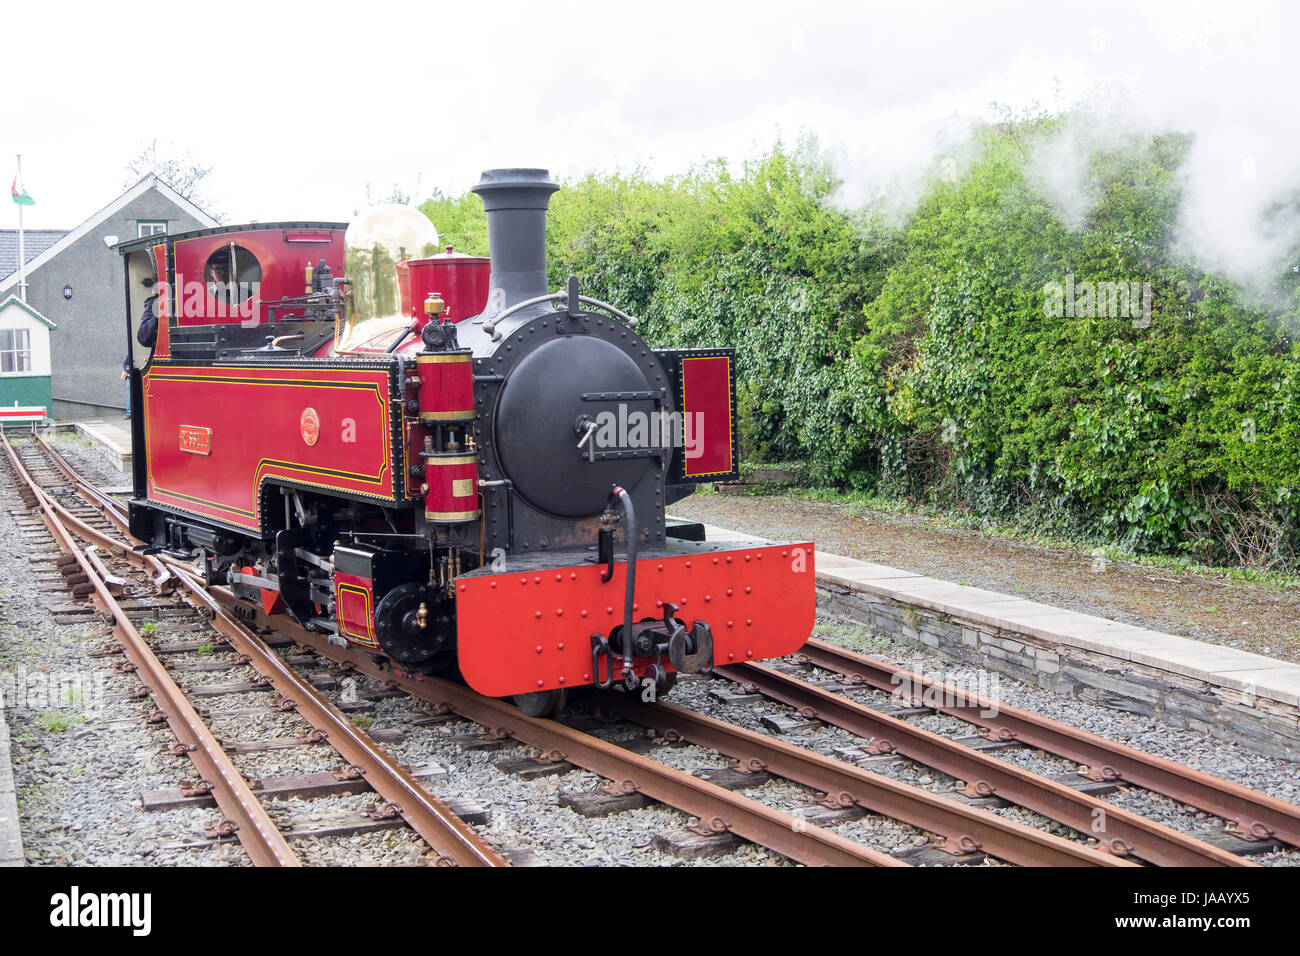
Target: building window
column 15, row 350
column 150, row 227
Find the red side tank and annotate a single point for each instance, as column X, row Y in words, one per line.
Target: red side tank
column 460, row 280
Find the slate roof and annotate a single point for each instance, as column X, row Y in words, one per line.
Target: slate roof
column 35, row 241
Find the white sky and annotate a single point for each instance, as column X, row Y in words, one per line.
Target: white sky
column 297, row 107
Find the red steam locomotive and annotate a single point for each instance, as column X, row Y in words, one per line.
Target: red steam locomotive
column 430, row 455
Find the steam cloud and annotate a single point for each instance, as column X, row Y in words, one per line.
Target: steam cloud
column 1122, row 73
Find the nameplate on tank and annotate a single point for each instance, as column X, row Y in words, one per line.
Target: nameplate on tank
column 196, row 440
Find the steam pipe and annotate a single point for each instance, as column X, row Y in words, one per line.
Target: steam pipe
column 630, row 589
column 560, row 298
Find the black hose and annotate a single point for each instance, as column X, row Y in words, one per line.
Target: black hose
column 630, row 591
column 398, row 341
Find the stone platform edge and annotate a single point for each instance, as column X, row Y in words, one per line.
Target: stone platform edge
column 114, row 440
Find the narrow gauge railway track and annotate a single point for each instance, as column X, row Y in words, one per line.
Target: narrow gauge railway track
column 453, row 841
column 629, row 772
column 1125, row 832
column 963, row 828
column 778, row 831
column 718, row 807
column 1250, row 814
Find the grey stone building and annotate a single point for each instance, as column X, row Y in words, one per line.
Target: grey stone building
column 75, row 279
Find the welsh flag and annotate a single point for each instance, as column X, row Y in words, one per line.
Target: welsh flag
column 20, row 194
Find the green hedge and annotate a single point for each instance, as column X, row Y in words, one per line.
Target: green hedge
column 930, row 361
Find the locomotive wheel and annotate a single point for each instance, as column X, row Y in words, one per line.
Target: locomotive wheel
column 542, row 703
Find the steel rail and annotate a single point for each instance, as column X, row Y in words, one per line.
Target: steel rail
column 717, row 808
column 1251, row 815
column 115, row 546
column 107, row 505
column 455, row 841
column 256, row 832
column 965, row 829
column 1119, row 831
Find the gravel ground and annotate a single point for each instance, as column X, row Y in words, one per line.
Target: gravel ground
column 1258, row 618
column 86, row 457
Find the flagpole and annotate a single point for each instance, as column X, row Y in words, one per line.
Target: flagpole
column 22, row 258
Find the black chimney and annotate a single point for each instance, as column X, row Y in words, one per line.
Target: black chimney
column 515, row 201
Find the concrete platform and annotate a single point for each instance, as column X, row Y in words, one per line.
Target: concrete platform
column 1234, row 694
column 113, row 438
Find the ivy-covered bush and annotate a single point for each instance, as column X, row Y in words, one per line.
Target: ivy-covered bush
column 940, row 360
